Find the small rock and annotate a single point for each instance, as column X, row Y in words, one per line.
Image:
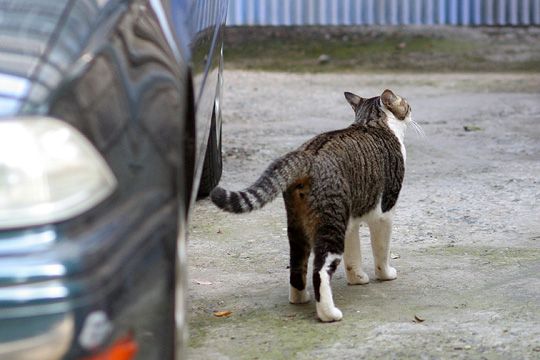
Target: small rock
column 202, row 282
column 324, row 59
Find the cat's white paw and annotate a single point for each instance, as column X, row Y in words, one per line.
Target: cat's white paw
column 298, row 296
column 328, row 313
column 356, row 277
column 385, row 273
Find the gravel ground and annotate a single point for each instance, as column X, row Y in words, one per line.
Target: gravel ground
column 466, row 237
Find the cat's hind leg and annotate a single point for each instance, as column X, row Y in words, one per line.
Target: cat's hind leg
column 380, row 229
column 299, row 243
column 331, row 211
column 353, row 255
column 300, row 249
column 324, row 267
column 328, row 250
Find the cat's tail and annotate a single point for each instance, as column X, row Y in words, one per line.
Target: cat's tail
column 275, row 179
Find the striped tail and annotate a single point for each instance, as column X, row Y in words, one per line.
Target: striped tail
column 276, row 178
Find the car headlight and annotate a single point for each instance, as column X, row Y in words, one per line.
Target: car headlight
column 49, row 172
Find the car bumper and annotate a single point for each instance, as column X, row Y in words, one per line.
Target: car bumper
column 50, row 343
column 117, row 261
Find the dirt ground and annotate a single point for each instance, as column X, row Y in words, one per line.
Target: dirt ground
column 466, row 238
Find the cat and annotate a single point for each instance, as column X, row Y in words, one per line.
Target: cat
column 330, row 185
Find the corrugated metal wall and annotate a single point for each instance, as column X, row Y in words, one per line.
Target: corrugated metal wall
column 384, row 12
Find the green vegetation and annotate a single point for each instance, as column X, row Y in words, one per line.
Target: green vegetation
column 494, row 256
column 383, row 49
column 284, row 333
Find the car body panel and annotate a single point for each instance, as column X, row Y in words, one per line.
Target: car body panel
column 207, row 26
column 119, row 72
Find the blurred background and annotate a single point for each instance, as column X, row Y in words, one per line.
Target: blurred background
column 402, row 35
column 384, row 12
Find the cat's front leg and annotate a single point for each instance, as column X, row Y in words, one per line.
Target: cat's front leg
column 353, row 255
column 381, row 231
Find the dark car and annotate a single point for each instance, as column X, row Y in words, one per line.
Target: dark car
column 109, row 121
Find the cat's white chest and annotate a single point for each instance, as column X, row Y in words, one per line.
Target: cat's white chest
column 398, row 127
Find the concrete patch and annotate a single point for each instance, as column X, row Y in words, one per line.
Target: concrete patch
column 466, row 228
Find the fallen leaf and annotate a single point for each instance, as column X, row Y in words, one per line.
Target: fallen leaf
column 200, row 282
column 225, row 313
column 472, row 128
column 395, row 256
column 419, row 319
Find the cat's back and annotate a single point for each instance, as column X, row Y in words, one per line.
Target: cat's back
column 356, row 140
column 361, row 162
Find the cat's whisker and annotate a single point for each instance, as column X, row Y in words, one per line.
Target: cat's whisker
column 415, row 127
column 421, row 129
column 418, row 129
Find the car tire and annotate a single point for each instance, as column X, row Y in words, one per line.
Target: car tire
column 213, row 161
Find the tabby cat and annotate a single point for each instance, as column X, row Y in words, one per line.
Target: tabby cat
column 330, row 185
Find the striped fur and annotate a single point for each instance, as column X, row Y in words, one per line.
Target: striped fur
column 330, row 184
column 274, row 180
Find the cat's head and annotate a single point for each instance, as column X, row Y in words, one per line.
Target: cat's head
column 375, row 108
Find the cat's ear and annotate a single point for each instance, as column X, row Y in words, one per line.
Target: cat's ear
column 389, row 99
column 395, row 104
column 353, row 99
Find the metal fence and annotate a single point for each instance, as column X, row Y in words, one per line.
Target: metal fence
column 384, row 12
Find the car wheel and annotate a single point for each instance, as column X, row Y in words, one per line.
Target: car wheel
column 213, row 162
